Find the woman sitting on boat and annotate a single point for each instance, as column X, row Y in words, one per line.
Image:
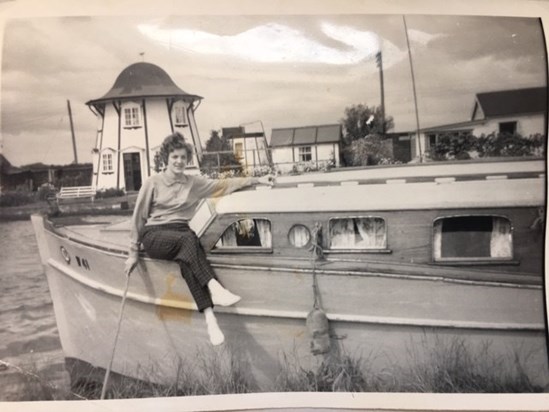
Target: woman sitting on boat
column 165, row 204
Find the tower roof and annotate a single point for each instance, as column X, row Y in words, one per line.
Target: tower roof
column 143, row 80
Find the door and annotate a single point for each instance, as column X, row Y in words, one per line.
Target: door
column 402, row 148
column 132, row 171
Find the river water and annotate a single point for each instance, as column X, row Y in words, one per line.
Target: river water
column 31, row 358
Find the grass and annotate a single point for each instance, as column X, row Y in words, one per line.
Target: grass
column 434, row 365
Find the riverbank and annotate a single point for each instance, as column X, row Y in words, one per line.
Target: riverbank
column 113, row 205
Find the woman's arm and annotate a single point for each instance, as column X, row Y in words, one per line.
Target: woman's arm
column 204, row 188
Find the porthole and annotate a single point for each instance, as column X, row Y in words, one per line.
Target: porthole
column 299, row 235
column 65, row 254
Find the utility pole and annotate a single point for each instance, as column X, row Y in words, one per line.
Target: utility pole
column 379, row 63
column 72, row 132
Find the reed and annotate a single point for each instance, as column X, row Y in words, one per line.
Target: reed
column 439, row 364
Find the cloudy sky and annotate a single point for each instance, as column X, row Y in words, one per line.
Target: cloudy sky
column 283, row 71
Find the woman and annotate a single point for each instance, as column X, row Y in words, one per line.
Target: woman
column 165, row 204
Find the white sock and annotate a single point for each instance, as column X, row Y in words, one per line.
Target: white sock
column 220, row 295
column 216, row 335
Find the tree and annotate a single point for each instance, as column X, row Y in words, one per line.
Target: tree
column 363, row 136
column 361, row 120
column 219, row 156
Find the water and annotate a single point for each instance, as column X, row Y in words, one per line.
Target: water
column 29, row 341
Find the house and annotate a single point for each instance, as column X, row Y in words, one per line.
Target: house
column 519, row 111
column 250, row 149
column 143, row 107
column 315, row 145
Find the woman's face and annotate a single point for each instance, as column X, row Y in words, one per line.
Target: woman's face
column 177, row 161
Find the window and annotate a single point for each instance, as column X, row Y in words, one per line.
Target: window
column 472, row 238
column 255, row 233
column 305, row 154
column 238, row 150
column 107, row 163
column 358, row 233
column 131, row 117
column 299, row 236
column 508, row 127
column 180, row 115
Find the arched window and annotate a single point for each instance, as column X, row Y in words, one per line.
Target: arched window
column 246, row 233
column 472, row 238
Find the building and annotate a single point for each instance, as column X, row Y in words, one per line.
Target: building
column 314, row 145
column 143, row 106
column 519, row 111
column 250, row 149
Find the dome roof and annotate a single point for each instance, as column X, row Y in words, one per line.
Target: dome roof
column 143, row 80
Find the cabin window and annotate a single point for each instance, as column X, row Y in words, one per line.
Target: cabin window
column 255, row 233
column 131, row 117
column 472, row 237
column 238, row 150
column 358, row 233
column 299, row 236
column 305, row 154
column 180, row 115
column 107, row 163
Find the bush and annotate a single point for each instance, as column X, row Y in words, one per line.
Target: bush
column 370, row 150
column 16, row 198
column 467, row 146
column 111, row 192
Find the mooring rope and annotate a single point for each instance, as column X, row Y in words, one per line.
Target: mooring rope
column 316, row 254
column 108, row 371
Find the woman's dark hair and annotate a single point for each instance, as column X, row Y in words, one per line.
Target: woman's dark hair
column 173, row 142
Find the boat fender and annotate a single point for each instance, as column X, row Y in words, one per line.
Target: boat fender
column 319, row 329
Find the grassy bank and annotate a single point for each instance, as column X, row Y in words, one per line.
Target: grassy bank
column 448, row 366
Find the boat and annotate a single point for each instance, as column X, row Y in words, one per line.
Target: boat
column 396, row 257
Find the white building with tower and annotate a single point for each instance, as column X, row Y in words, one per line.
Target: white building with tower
column 143, row 107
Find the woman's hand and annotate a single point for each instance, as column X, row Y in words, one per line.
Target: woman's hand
column 130, row 265
column 266, row 180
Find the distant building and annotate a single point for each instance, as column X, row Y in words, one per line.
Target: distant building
column 316, row 145
column 250, row 149
column 520, row 111
column 143, row 106
column 31, row 177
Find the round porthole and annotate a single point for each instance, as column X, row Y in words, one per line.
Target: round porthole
column 299, row 236
column 65, row 255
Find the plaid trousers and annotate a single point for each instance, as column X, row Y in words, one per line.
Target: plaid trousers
column 177, row 242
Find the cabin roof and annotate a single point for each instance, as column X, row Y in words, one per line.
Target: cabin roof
column 512, row 102
column 307, row 135
column 369, row 198
column 143, row 80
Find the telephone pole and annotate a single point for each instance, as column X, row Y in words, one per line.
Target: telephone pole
column 72, row 132
column 379, row 63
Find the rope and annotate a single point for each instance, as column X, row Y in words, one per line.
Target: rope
column 108, row 371
column 316, row 254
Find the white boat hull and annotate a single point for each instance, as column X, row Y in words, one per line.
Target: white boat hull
column 161, row 330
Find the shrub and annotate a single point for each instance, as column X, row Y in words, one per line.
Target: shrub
column 111, row 192
column 16, row 198
column 494, row 145
column 370, row 150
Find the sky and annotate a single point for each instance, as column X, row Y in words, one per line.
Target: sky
column 270, row 71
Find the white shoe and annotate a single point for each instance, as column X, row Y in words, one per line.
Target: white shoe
column 220, row 295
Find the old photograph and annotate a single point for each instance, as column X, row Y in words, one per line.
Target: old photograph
column 240, row 204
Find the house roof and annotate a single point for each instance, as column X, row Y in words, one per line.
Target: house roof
column 512, row 102
column 143, row 80
column 7, row 168
column 293, row 136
